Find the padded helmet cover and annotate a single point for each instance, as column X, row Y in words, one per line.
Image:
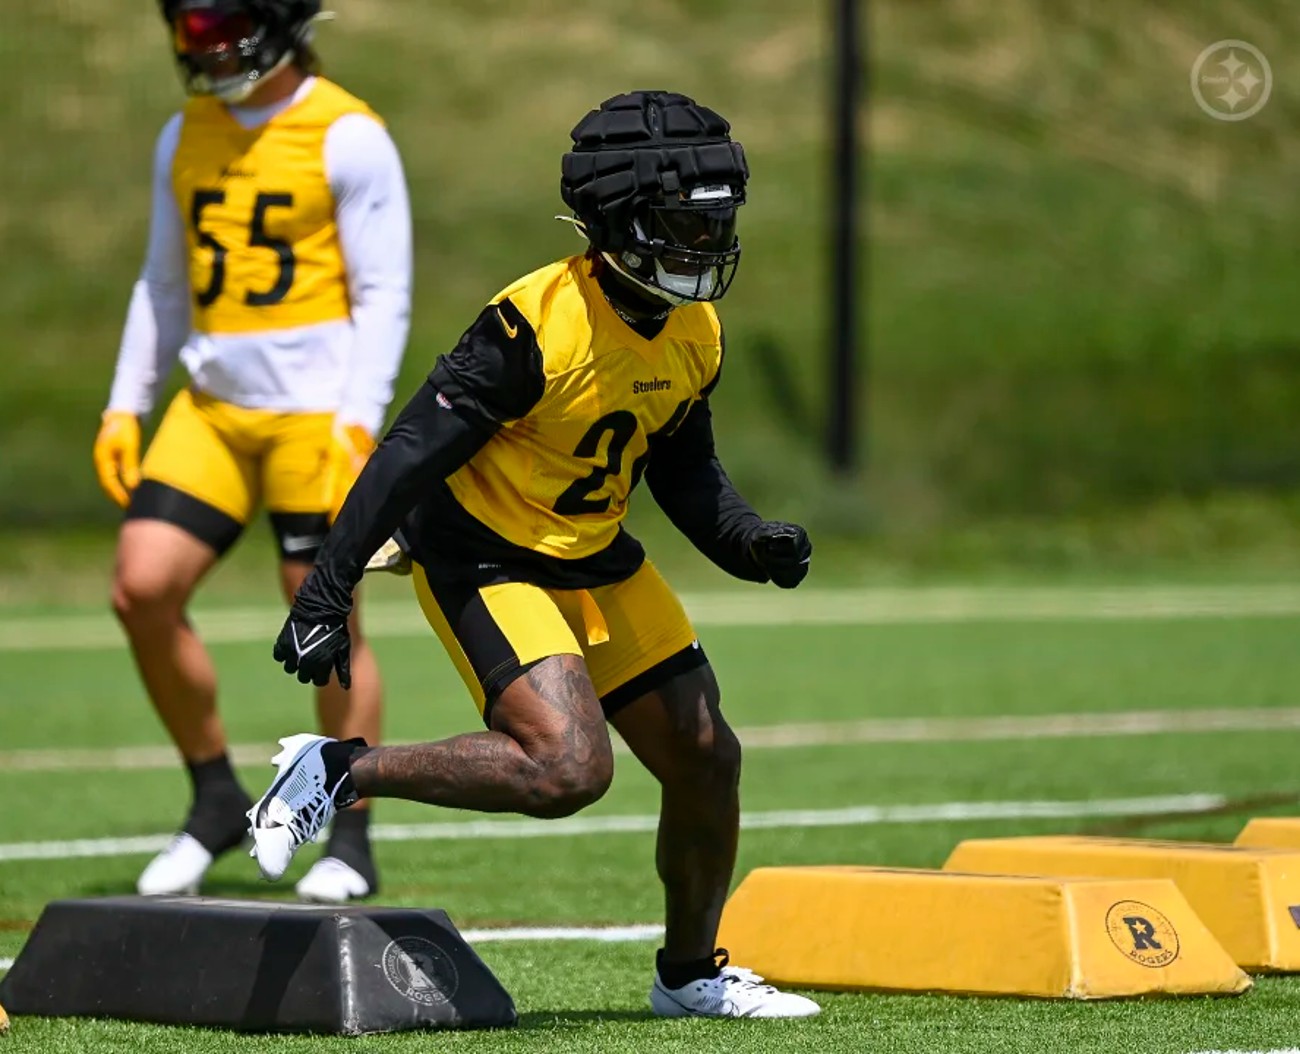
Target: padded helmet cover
column 645, row 146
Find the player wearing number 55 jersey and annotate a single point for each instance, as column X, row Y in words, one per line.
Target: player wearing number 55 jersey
column 512, row 469
column 278, row 270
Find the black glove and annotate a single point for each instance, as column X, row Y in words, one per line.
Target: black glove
column 782, row 550
column 315, row 648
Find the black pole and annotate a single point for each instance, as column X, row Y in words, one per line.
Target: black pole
column 845, row 258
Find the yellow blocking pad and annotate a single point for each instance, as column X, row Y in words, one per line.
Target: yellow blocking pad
column 894, row 930
column 1246, row 897
column 1271, row 832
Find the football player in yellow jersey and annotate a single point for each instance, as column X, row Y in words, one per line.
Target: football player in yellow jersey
column 511, row 471
column 278, row 270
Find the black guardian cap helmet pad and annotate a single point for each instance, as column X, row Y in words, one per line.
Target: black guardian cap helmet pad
column 655, row 180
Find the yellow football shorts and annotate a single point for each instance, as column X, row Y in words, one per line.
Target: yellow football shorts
column 634, row 634
column 211, row 464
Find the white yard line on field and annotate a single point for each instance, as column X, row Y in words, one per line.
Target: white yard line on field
column 6, row 963
column 746, row 608
column 782, row 737
column 853, row 816
column 1013, row 727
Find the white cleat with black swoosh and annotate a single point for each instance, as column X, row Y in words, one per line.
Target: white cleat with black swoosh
column 735, row 992
column 296, row 808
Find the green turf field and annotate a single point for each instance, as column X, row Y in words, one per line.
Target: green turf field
column 878, row 712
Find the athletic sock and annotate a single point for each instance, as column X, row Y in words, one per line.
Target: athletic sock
column 212, row 775
column 350, row 842
column 680, row 973
column 350, row 830
column 337, row 757
column 216, row 820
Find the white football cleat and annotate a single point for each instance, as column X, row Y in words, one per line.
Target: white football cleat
column 296, row 807
column 331, row 881
column 735, row 992
column 177, row 870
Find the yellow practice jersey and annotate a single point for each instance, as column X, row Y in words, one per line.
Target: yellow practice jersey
column 260, row 216
column 556, row 479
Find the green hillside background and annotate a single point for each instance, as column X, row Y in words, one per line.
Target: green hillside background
column 1081, row 297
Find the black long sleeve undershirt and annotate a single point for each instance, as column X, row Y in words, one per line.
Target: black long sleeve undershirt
column 689, row 484
column 427, row 443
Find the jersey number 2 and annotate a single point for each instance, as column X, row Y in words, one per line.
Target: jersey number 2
column 257, row 236
column 621, row 424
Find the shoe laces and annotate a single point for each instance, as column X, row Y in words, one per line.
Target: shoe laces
column 305, row 823
column 739, row 975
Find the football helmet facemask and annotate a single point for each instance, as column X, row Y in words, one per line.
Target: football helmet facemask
column 684, row 249
column 227, row 48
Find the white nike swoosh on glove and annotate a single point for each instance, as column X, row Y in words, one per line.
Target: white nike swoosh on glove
column 311, row 645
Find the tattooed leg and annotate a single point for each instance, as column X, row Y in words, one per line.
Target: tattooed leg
column 547, row 755
column 679, row 734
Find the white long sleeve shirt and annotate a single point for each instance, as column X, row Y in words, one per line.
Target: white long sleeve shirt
column 347, row 367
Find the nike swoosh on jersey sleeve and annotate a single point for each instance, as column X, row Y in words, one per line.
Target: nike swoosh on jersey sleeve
column 490, row 374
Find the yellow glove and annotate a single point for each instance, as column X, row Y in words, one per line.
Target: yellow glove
column 350, row 448
column 117, row 455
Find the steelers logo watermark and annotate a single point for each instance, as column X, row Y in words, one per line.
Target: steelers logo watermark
column 1231, row 80
column 421, row 971
column 1142, row 933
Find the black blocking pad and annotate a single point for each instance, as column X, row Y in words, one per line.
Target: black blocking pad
column 254, row 966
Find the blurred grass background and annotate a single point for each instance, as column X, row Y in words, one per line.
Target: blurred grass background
column 1080, row 301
